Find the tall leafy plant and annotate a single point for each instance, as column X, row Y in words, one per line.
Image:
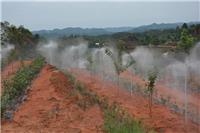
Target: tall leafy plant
column 152, row 76
column 119, row 67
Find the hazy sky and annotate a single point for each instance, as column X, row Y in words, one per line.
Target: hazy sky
column 50, row 15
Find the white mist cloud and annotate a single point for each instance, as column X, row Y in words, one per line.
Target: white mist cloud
column 170, row 68
column 5, row 49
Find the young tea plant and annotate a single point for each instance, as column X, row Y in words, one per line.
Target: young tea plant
column 152, row 76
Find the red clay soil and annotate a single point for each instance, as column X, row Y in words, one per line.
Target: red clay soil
column 176, row 96
column 162, row 120
column 11, row 69
column 50, row 108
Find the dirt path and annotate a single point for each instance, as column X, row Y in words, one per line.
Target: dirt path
column 11, row 69
column 50, row 109
column 163, row 120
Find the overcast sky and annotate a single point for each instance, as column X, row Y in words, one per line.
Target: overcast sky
column 50, row 15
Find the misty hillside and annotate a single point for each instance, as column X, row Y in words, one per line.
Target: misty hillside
column 118, row 29
column 81, row 31
column 155, row 26
column 161, row 26
column 72, row 31
column 105, row 31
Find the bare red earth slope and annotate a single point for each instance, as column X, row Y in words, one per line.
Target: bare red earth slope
column 50, row 109
column 162, row 120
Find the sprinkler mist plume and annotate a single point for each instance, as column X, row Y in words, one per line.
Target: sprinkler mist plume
column 140, row 61
column 5, row 50
column 105, row 62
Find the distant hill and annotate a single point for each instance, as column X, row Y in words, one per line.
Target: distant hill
column 161, row 26
column 72, row 31
column 118, row 29
column 81, row 31
column 155, row 26
column 105, row 31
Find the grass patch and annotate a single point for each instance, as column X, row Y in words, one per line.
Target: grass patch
column 16, row 86
column 88, row 98
column 116, row 120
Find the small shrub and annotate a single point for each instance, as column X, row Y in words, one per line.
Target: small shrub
column 150, row 88
column 118, row 121
column 16, row 86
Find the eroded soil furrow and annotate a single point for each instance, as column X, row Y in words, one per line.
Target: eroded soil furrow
column 162, row 120
column 51, row 107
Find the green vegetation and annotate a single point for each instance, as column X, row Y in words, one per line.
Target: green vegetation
column 118, row 61
column 161, row 37
column 13, row 55
column 186, row 41
column 150, row 88
column 22, row 39
column 25, row 42
column 16, row 86
column 116, row 120
column 19, row 36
